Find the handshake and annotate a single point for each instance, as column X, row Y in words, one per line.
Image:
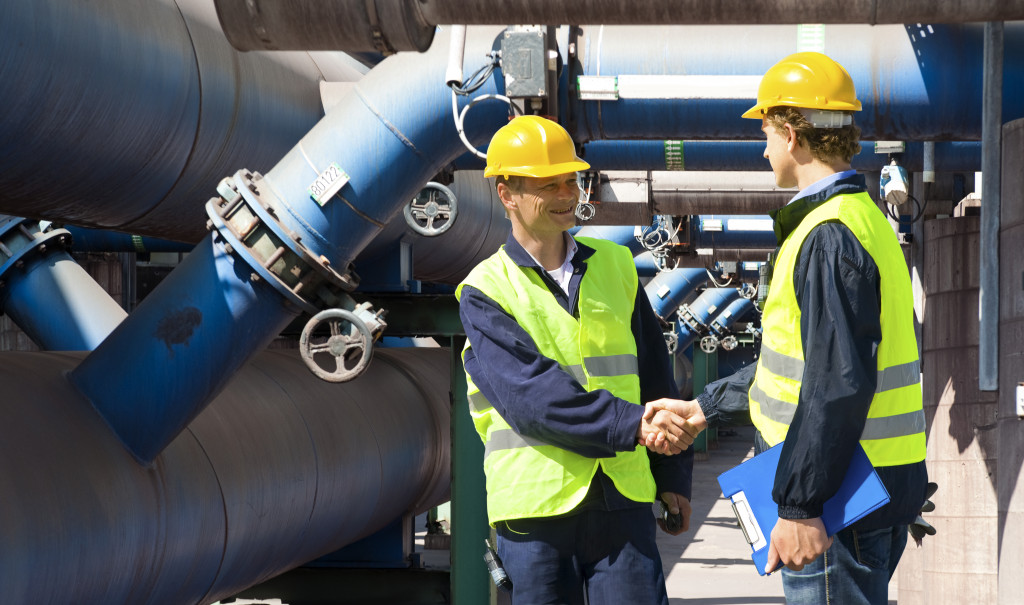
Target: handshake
column 669, row 426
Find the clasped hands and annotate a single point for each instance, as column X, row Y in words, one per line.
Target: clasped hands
column 669, row 426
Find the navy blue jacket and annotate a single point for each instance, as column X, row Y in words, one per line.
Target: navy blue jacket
column 540, row 400
column 838, row 289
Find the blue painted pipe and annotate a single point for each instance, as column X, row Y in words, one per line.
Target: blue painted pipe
column 47, row 294
column 101, row 240
column 915, row 83
column 668, row 289
column 184, row 343
column 695, row 317
column 749, row 232
column 735, row 311
column 402, row 141
column 950, row 156
column 180, row 346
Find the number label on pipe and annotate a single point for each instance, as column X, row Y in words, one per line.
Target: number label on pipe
column 328, row 183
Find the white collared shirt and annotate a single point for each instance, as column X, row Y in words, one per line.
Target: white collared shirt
column 562, row 274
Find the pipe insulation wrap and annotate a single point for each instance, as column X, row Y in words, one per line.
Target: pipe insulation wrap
column 280, row 469
column 144, row 108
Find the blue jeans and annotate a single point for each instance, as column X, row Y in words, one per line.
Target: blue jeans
column 855, row 570
column 608, row 556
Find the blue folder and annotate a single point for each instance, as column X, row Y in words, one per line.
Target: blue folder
column 749, row 486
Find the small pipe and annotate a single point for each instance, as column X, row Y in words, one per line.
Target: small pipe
column 456, row 56
column 991, row 154
column 47, row 294
column 101, row 240
column 668, row 289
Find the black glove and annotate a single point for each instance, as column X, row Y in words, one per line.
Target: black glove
column 920, row 528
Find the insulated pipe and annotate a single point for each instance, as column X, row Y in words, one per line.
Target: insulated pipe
column 695, row 317
column 47, row 294
column 692, row 82
column 668, row 289
column 949, row 156
column 274, row 249
column 144, row 108
column 100, row 240
column 280, row 469
column 621, row 235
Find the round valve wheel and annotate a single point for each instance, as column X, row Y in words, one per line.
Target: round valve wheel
column 432, row 211
column 348, row 343
column 709, row 344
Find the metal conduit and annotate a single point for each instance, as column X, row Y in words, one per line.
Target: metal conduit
column 100, row 240
column 693, row 82
column 144, row 108
column 280, row 469
column 49, row 295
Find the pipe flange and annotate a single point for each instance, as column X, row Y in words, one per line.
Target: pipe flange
column 22, row 240
column 250, row 228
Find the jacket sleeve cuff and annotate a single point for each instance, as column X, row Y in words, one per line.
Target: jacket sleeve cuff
column 707, row 405
column 799, row 512
column 624, row 436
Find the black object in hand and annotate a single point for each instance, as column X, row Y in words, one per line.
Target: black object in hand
column 672, row 521
column 496, row 569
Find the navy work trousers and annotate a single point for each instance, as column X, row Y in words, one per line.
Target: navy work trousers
column 594, row 557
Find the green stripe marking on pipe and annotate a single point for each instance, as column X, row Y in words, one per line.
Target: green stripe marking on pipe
column 674, row 155
column 810, row 37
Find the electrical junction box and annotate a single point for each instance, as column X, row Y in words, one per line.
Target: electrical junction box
column 1020, row 400
column 524, row 62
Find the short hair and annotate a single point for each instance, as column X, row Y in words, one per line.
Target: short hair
column 825, row 144
column 514, row 182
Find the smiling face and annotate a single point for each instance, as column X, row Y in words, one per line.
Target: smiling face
column 544, row 207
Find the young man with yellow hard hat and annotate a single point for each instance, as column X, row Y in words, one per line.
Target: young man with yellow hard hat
column 838, row 362
column 562, row 349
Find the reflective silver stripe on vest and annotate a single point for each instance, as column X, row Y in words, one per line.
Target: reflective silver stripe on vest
column 890, row 378
column 773, row 409
column 577, row 373
column 782, row 365
column 900, row 376
column 507, row 439
column 477, row 402
column 608, row 365
column 900, row 425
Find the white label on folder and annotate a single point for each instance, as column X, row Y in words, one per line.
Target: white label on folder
column 746, row 518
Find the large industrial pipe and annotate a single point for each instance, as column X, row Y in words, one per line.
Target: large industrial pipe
column 275, row 247
column 47, row 294
column 694, row 318
column 916, row 82
column 143, row 109
column 279, row 470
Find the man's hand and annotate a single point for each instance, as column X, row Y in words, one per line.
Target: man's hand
column 664, row 431
column 797, row 542
column 684, row 415
column 676, row 505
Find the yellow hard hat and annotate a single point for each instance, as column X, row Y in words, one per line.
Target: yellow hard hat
column 532, row 146
column 810, row 80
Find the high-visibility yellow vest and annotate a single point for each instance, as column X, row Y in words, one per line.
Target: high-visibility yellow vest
column 894, row 432
column 528, row 478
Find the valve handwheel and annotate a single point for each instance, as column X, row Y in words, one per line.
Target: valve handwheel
column 349, row 343
column 432, row 211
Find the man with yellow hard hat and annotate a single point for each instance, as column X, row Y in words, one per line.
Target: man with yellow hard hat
column 562, row 349
column 838, row 362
